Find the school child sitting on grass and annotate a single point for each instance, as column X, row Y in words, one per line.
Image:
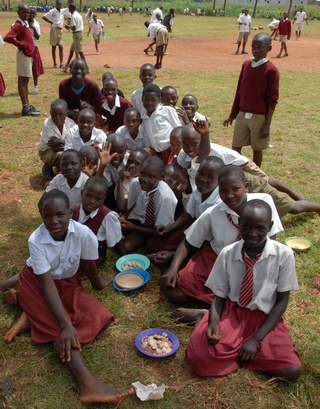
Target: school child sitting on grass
column 286, row 200
column 102, row 221
column 53, row 299
column 216, row 228
column 113, row 159
column 169, row 96
column 158, row 121
column 71, row 180
column 251, row 281
column 175, row 144
column 52, row 137
column 131, row 171
column 189, row 104
column 151, row 203
column 105, row 76
column 133, row 132
column 85, row 133
column 147, row 76
column 113, row 107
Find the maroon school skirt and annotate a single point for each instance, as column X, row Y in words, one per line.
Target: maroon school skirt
column 192, row 277
column 237, row 325
column 86, row 313
column 37, row 67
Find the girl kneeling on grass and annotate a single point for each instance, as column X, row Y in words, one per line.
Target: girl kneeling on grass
column 53, row 299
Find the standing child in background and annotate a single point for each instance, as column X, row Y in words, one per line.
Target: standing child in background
column 299, row 18
column 284, row 30
column 53, row 135
column 147, row 76
column 96, row 26
column 158, row 121
column 159, row 33
column 251, row 281
column 20, row 36
column 53, row 299
column 131, row 171
column 132, row 131
column 37, row 67
column 114, row 106
column 244, row 22
column 102, row 221
column 85, row 133
column 255, row 100
column 151, row 203
column 168, row 22
column 71, row 179
column 76, row 27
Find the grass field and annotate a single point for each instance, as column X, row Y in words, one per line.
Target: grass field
column 41, row 383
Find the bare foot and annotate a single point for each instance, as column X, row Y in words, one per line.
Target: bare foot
column 11, row 296
column 21, row 326
column 100, row 392
column 9, row 282
column 188, row 315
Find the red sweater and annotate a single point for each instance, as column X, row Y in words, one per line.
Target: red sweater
column 257, row 90
column 284, row 27
column 21, row 37
column 91, row 94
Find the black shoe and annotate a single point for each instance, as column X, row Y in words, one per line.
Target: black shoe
column 48, row 172
column 244, row 52
column 157, row 66
column 146, row 51
column 30, row 111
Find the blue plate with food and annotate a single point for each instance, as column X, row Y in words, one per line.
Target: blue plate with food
column 157, row 343
column 129, row 261
column 130, row 280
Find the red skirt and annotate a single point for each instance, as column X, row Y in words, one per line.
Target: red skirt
column 37, row 67
column 86, row 313
column 237, row 325
column 165, row 155
column 191, row 279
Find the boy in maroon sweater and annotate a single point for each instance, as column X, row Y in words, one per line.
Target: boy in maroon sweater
column 20, row 36
column 284, row 29
column 255, row 100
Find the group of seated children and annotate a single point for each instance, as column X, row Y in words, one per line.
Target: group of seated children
column 201, row 210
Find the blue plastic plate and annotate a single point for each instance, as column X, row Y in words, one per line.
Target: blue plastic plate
column 133, row 258
column 144, row 274
column 153, row 331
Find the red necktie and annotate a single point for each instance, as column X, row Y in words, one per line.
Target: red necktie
column 246, row 289
column 229, row 217
column 149, row 219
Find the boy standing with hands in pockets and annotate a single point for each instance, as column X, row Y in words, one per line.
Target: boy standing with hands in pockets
column 255, row 100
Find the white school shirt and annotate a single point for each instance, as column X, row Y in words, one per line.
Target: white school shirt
column 36, row 25
column 159, row 126
column 274, row 23
column 300, row 16
column 197, row 117
column 50, row 129
column 154, row 15
column 136, row 101
column 141, row 141
column 77, row 21
column 245, row 21
column 61, row 258
column 164, row 203
column 74, row 194
column 74, row 140
column 96, row 27
column 109, row 230
column 57, row 17
column 126, row 187
column 116, row 105
column 196, row 206
column 113, row 174
column 273, row 272
column 154, row 28
column 214, row 226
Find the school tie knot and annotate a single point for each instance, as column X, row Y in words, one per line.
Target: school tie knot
column 246, row 289
column 149, row 219
column 229, row 217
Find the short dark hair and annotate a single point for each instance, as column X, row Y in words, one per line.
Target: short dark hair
column 152, row 88
column 258, row 204
column 97, row 181
column 229, row 170
column 53, row 194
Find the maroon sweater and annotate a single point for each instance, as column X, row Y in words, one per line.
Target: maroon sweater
column 21, row 37
column 284, row 27
column 257, row 90
column 91, row 94
column 115, row 121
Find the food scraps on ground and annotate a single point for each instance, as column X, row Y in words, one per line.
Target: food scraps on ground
column 157, row 344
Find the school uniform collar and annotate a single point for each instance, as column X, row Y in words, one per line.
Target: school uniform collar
column 147, row 194
column 78, row 184
column 267, row 251
column 210, row 199
column 255, row 64
column 48, row 239
column 84, row 216
column 116, row 105
column 23, row 22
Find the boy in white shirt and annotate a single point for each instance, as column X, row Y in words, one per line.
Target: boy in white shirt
column 96, row 26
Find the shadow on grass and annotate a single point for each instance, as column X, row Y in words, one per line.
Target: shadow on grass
column 37, row 182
